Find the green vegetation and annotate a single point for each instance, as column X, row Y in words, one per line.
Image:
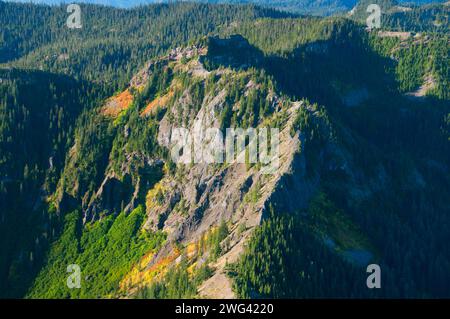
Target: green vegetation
column 328, row 222
column 214, row 241
column 379, row 165
column 177, row 283
column 431, row 17
column 113, row 43
column 418, row 59
column 316, row 131
column 38, row 112
column 122, row 239
column 276, row 265
column 183, row 279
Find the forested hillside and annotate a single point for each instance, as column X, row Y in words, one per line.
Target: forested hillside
column 114, row 43
column 87, row 177
column 310, row 7
column 296, row 6
column 38, row 115
column 432, row 17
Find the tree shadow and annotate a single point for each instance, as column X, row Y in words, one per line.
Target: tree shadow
column 323, row 71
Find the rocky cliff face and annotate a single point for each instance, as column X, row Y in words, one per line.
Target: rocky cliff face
column 201, row 196
column 190, row 200
column 198, row 90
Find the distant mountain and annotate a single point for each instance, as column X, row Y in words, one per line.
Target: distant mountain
column 314, row 7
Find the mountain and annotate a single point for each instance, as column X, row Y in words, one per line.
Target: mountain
column 298, row 6
column 38, row 111
column 90, row 176
column 113, row 42
column 395, row 17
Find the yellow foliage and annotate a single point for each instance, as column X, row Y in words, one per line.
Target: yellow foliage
column 154, row 196
column 191, row 249
column 191, row 268
column 142, row 275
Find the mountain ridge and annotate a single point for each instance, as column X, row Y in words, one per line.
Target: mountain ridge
column 190, row 206
column 363, row 175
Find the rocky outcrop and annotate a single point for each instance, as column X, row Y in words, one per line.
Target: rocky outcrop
column 200, row 196
column 122, row 193
column 111, row 198
column 193, row 199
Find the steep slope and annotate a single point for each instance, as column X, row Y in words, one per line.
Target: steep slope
column 363, row 174
column 335, row 165
column 185, row 206
column 38, row 112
